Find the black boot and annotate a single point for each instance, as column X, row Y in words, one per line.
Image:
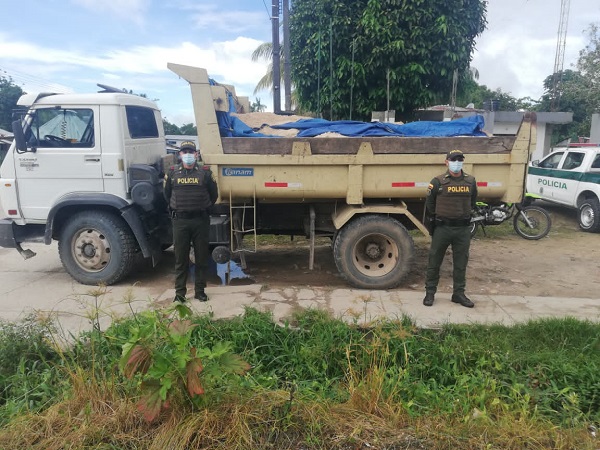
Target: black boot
column 429, row 298
column 463, row 300
column 201, row 295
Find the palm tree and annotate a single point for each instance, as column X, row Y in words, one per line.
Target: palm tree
column 264, row 52
column 257, row 106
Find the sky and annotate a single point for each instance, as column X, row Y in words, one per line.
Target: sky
column 71, row 45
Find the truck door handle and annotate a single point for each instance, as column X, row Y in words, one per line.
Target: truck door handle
column 92, row 159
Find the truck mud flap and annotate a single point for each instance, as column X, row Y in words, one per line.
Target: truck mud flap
column 11, row 234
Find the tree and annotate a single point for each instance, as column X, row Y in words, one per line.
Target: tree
column 339, row 47
column 9, row 95
column 257, row 106
column 264, row 52
column 170, row 128
column 189, row 129
column 571, row 100
column 589, row 67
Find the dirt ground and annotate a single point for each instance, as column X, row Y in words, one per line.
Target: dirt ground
column 566, row 263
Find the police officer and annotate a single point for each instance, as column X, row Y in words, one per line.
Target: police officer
column 450, row 198
column 190, row 190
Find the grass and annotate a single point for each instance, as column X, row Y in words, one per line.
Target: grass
column 316, row 383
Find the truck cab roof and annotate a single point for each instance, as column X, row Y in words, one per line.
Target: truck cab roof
column 108, row 98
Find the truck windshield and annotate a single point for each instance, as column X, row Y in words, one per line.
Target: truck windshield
column 551, row 162
column 51, row 127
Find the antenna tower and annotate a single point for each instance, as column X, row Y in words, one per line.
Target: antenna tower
column 559, row 59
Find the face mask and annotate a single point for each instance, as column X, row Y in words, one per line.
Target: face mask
column 188, row 159
column 455, row 166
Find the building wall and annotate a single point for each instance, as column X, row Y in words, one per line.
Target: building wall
column 595, row 129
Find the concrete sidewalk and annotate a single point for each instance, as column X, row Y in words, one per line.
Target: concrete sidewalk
column 41, row 286
column 367, row 306
column 77, row 311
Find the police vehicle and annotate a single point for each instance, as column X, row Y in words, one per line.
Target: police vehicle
column 570, row 176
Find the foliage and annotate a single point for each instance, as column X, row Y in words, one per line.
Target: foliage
column 28, row 375
column 171, row 128
column 188, row 129
column 471, row 92
column 169, row 366
column 264, row 52
column 589, row 66
column 9, row 94
column 257, row 106
column 352, row 46
column 324, row 383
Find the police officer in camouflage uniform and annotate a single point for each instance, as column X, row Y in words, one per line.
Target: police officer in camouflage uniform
column 450, row 199
column 190, row 190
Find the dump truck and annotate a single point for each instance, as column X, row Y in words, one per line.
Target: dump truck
column 85, row 170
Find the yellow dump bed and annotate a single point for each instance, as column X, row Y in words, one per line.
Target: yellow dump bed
column 352, row 170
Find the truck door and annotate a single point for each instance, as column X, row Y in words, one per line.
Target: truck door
column 541, row 178
column 568, row 177
column 64, row 156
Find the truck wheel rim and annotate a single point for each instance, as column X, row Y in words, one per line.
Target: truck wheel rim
column 91, row 250
column 587, row 217
column 375, row 255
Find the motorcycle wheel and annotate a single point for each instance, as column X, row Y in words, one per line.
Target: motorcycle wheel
column 473, row 229
column 532, row 222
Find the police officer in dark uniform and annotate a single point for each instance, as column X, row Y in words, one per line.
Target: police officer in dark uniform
column 451, row 197
column 190, row 190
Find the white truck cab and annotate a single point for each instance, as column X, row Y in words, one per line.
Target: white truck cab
column 570, row 176
column 85, row 169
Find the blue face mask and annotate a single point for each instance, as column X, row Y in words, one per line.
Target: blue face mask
column 455, row 166
column 188, row 159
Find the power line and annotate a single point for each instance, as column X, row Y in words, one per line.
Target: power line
column 267, row 9
column 31, row 80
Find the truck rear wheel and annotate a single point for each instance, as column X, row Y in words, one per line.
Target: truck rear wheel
column 589, row 215
column 373, row 252
column 97, row 247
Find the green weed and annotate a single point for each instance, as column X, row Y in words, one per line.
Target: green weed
column 315, row 382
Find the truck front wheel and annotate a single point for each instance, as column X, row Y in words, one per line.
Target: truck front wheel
column 589, row 215
column 96, row 247
column 373, row 252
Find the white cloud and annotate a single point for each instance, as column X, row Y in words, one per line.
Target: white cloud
column 517, row 51
column 215, row 17
column 126, row 9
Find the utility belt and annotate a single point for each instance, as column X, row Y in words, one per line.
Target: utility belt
column 189, row 214
column 453, row 222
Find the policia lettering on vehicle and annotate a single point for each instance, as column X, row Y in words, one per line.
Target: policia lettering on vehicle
column 450, row 198
column 190, row 190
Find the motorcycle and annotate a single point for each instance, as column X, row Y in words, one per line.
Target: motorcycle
column 530, row 221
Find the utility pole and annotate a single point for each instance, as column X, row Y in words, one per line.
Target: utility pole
column 276, row 59
column 287, row 63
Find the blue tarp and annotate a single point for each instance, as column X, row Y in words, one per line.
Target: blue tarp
column 231, row 126
column 467, row 126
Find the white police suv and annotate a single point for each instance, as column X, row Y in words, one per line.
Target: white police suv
column 570, row 176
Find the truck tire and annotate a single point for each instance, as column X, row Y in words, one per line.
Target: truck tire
column 373, row 252
column 589, row 215
column 97, row 247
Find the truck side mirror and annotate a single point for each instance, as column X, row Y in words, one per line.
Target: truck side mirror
column 535, row 162
column 19, row 136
